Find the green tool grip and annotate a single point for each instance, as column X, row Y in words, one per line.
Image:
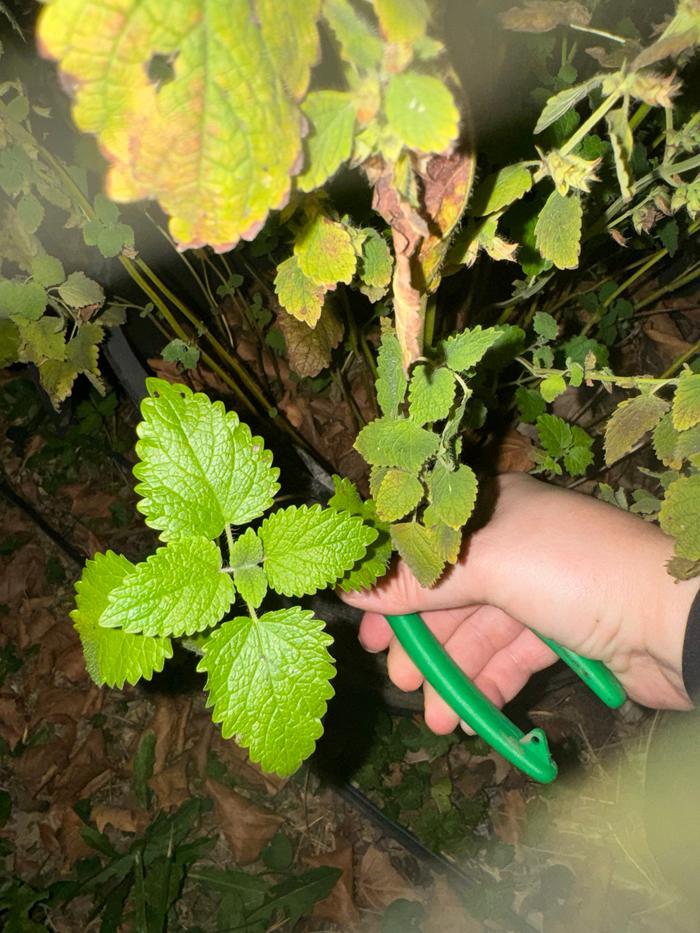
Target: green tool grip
column 593, row 673
column 529, row 752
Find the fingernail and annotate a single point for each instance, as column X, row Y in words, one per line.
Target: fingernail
column 465, row 727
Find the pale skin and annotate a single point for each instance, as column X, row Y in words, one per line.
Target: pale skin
column 586, row 574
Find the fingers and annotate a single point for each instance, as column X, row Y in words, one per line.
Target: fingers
column 501, row 678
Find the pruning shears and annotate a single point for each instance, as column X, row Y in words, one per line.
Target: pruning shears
column 529, row 752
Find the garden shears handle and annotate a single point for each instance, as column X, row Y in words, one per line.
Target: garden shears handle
column 528, row 752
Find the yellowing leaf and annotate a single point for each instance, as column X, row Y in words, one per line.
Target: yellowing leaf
column 686, row 402
column 418, row 547
column 309, row 350
column 325, row 252
column 402, row 20
column 452, row 494
column 558, row 230
column 329, row 143
column 629, row 422
column 398, row 494
column 680, row 515
column 622, row 143
column 297, row 294
column 421, row 112
column 216, row 144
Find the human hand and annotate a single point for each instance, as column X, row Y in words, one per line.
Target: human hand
column 584, row 573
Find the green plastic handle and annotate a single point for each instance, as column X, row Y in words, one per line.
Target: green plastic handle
column 528, row 752
column 593, row 673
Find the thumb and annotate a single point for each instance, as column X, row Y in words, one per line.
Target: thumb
column 399, row 592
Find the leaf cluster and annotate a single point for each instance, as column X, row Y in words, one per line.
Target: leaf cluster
column 421, row 490
column 202, row 474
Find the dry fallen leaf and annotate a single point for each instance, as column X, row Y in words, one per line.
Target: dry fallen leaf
column 509, row 817
column 170, row 786
column 125, row 820
column 378, row 882
column 339, row 906
column 247, row 828
column 446, row 913
column 23, row 574
column 12, row 720
column 514, row 453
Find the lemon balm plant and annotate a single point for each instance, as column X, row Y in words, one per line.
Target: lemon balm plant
column 203, row 477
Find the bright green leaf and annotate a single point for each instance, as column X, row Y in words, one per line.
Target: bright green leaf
column 500, row 189
column 421, row 112
column 112, row 656
column 630, row 422
column 269, row 680
column 554, row 434
column 200, row 468
column 558, row 230
column 325, row 253
column 329, row 143
column 417, row 546
column 398, row 494
column 452, row 494
column 376, row 263
column 179, row 590
column 396, row 443
column 686, row 401
column 680, row 515
column 431, row 394
column 248, row 576
column 297, row 294
column 552, row 386
column 307, row 549
column 391, row 376
column 577, row 460
column 463, row 351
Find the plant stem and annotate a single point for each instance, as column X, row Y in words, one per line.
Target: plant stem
column 588, row 124
column 628, row 382
column 229, row 541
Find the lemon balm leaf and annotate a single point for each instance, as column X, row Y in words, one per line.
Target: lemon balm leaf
column 200, row 468
column 268, row 681
column 310, row 548
column 179, row 590
column 217, row 143
column 112, row 656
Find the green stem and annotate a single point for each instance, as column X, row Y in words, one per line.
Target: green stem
column 229, row 541
column 588, row 124
column 629, row 382
column 639, row 114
